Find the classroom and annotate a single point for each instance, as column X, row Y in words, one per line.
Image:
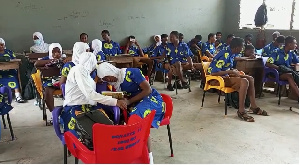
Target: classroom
column 149, row 82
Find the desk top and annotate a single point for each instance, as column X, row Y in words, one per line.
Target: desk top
column 13, row 60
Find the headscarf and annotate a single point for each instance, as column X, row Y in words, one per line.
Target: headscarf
column 159, row 42
column 42, row 47
column 2, row 42
column 51, row 47
column 78, row 48
column 86, row 64
column 97, row 46
column 107, row 69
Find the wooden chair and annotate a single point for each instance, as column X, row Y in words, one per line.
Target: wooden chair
column 220, row 87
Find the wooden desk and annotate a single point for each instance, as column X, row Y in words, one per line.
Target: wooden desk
column 12, row 64
column 254, row 68
column 33, row 57
column 122, row 60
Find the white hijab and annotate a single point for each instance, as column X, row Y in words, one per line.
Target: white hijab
column 97, row 46
column 51, row 47
column 2, row 42
column 42, row 47
column 86, row 64
column 159, row 42
column 79, row 48
column 107, row 69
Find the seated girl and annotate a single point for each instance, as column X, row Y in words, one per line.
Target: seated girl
column 149, row 50
column 10, row 77
column 141, row 98
column 80, row 92
column 54, row 58
column 39, row 45
column 97, row 50
column 78, row 48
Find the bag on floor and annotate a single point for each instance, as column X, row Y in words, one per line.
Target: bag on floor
column 233, row 100
column 29, row 90
column 84, row 125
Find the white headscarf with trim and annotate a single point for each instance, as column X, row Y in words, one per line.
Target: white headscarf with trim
column 2, row 42
column 159, row 42
column 78, row 49
column 97, row 46
column 107, row 69
column 42, row 47
column 51, row 47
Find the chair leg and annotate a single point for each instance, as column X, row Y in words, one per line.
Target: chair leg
column 10, row 127
column 219, row 96
column 170, row 139
column 189, row 75
column 279, row 94
column 76, row 160
column 261, row 90
column 203, row 98
column 226, row 99
column 4, row 124
column 176, row 85
column 65, row 154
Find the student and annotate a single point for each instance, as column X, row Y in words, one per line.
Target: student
column 275, row 35
column 284, row 57
column 222, row 65
column 228, row 41
column 219, row 39
column 39, row 45
column 140, row 97
column 109, row 47
column 55, row 54
column 209, row 48
column 134, row 49
column 84, row 38
column 78, row 49
column 195, row 44
column 149, row 50
column 278, row 43
column 248, row 39
column 179, row 57
column 80, row 92
column 10, row 77
column 181, row 37
column 97, row 50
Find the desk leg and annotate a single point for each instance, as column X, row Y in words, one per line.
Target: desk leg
column 19, row 77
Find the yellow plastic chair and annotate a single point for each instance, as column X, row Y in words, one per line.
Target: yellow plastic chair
column 220, row 87
column 204, row 58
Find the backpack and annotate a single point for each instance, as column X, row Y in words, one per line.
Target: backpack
column 29, row 91
column 233, row 100
column 261, row 17
column 84, row 125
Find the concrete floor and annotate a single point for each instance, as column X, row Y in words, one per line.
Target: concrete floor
column 200, row 135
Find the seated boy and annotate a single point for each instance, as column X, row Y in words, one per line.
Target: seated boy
column 181, row 37
column 208, row 48
column 109, row 47
column 282, row 58
column 195, row 45
column 179, row 58
column 227, row 43
column 134, row 49
column 268, row 49
column 222, row 65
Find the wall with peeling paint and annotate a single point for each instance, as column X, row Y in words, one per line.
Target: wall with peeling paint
column 63, row 20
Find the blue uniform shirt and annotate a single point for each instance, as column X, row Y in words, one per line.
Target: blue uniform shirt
column 210, row 47
column 180, row 53
column 111, row 49
column 134, row 51
column 149, row 50
column 222, row 46
column 100, row 56
column 159, row 50
column 223, row 61
column 279, row 57
column 8, row 53
column 267, row 50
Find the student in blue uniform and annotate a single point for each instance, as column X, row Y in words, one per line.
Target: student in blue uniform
column 268, row 49
column 10, row 77
column 222, row 65
column 97, row 50
column 284, row 57
column 109, row 47
column 179, row 58
column 149, row 50
column 219, row 40
column 140, row 97
column 208, row 48
column 195, row 44
column 228, row 41
column 55, row 54
column 133, row 48
column 181, row 37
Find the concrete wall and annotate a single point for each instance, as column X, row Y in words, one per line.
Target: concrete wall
column 232, row 17
column 63, row 20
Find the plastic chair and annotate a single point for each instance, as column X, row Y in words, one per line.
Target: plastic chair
column 7, row 90
column 167, row 117
column 220, row 87
column 271, row 71
column 164, row 71
column 121, row 144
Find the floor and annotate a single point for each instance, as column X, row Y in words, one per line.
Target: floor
column 200, row 135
